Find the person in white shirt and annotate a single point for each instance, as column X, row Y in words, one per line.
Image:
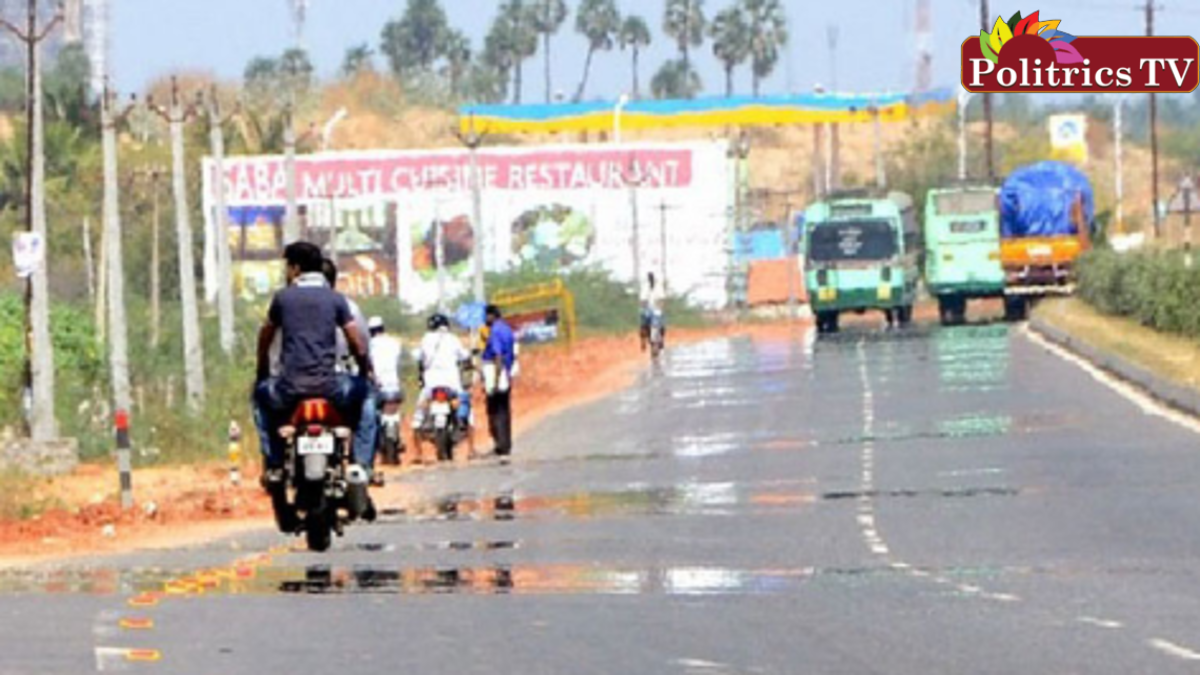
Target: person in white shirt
column 440, row 358
column 652, row 301
column 386, row 356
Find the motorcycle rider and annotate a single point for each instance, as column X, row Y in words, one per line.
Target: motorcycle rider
column 652, row 302
column 368, row 426
column 310, row 316
column 439, row 359
column 386, row 356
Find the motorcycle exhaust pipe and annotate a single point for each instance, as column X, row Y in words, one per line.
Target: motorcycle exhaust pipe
column 315, row 467
column 357, row 500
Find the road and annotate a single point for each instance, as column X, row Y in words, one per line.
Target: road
column 924, row 501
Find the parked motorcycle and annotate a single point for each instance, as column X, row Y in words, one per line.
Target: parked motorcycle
column 323, row 491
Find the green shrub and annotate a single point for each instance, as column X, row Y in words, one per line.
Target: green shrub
column 1157, row 289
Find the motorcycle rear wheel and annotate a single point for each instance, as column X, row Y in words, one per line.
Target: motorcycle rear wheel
column 444, row 441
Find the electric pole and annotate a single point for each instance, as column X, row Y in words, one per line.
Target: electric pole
column 833, row 170
column 984, row 15
column 41, row 422
column 118, row 335
column 1153, row 130
column 634, row 179
column 219, row 230
column 472, row 140
column 291, row 218
column 177, row 115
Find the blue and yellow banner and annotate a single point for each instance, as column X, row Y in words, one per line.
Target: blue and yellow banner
column 742, row 111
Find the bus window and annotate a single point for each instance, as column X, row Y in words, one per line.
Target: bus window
column 964, row 203
column 852, row 240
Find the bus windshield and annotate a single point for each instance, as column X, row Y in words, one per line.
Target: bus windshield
column 964, row 203
column 853, row 240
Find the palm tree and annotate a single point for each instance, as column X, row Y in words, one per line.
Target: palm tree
column 598, row 21
column 635, row 35
column 675, row 79
column 684, row 22
column 458, row 59
column 548, row 18
column 767, row 20
column 522, row 39
column 358, row 60
column 416, row 39
column 731, row 41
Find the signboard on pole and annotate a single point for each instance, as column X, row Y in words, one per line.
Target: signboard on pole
column 1068, row 137
column 29, row 253
column 557, row 208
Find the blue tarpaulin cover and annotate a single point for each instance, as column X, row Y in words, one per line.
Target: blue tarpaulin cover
column 1036, row 201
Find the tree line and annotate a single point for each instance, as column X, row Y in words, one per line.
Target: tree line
column 423, row 49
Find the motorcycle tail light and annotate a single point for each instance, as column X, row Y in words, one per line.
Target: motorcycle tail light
column 315, row 429
column 441, row 396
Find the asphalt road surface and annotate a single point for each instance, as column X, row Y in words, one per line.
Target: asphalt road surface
column 924, row 501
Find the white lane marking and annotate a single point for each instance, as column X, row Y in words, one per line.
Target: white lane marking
column 1002, row 597
column 1100, row 623
column 1147, row 404
column 969, row 589
column 1179, row 652
column 700, row 664
column 963, row 473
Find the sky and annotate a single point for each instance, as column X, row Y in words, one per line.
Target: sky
column 876, row 41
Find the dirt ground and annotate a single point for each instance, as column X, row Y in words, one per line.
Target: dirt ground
column 184, row 504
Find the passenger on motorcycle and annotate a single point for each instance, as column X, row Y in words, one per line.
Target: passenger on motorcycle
column 652, row 302
column 386, row 356
column 367, row 431
column 310, row 316
column 440, row 359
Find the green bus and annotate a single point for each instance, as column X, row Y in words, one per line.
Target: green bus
column 860, row 253
column 962, row 244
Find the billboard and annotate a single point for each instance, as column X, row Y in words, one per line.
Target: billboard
column 394, row 219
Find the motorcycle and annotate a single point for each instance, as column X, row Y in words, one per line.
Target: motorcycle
column 656, row 337
column 322, row 490
column 391, row 441
column 444, row 424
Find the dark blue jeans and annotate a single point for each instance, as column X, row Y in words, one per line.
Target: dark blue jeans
column 275, row 401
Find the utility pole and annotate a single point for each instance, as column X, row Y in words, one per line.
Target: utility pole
column 291, row 221
column 472, row 141
column 155, row 264
column 177, row 115
column 880, row 167
column 833, row 170
column 41, row 422
column 219, row 230
column 118, row 337
column 633, row 179
column 984, row 16
column 1118, row 138
column 1187, row 187
column 964, row 100
column 663, row 207
column 1153, row 130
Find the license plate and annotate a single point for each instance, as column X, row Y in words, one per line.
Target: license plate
column 440, row 421
column 827, row 294
column 440, row 408
column 315, row 445
column 1040, row 251
column 885, row 292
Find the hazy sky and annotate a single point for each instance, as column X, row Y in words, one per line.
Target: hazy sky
column 876, row 43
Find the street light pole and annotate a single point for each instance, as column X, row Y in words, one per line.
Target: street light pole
column 964, row 100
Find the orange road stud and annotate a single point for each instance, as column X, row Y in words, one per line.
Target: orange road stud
column 143, row 655
column 133, row 623
column 144, row 600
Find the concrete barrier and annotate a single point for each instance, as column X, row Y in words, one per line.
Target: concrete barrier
column 1185, row 399
column 39, row 458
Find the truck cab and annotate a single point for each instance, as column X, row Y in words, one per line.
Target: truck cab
column 860, row 254
column 962, row 243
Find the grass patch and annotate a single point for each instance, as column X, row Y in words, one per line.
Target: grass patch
column 1173, row 357
column 19, row 500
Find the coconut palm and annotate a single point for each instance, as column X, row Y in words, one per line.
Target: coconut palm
column 731, row 41
column 415, row 39
column 675, row 79
column 358, row 60
column 458, row 59
column 599, row 22
column 548, row 18
column 635, row 36
column 767, row 20
column 523, row 37
column 684, row 22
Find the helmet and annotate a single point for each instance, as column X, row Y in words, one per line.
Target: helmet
column 438, row 321
column 375, row 324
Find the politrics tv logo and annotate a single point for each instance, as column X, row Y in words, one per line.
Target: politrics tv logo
column 1026, row 54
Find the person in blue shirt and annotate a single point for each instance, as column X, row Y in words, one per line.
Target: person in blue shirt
column 500, row 353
